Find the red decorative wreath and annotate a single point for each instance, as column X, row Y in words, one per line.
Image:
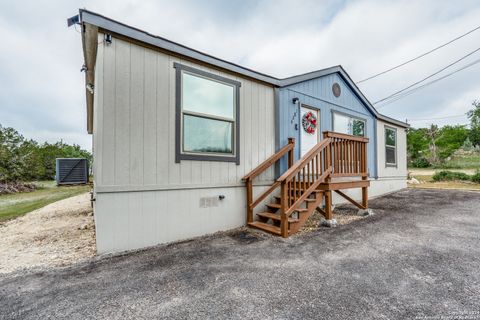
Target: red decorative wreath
column 309, row 122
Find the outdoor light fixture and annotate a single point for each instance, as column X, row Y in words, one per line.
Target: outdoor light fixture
column 73, row 20
column 295, row 100
column 108, row 38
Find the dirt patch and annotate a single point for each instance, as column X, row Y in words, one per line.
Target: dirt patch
column 247, row 235
column 431, row 172
column 344, row 214
column 56, row 235
column 14, row 187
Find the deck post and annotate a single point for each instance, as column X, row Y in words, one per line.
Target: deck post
column 290, row 152
column 365, row 197
column 365, row 177
column 249, row 200
column 328, row 205
column 283, row 217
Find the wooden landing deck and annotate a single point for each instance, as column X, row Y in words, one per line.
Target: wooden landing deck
column 338, row 185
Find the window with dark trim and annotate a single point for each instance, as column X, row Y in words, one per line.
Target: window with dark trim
column 207, row 116
column 390, row 147
column 347, row 124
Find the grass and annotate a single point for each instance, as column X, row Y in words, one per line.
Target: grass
column 426, row 181
column 471, row 161
column 467, row 162
column 18, row 204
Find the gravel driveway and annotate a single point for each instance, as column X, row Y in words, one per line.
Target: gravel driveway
column 418, row 257
column 58, row 234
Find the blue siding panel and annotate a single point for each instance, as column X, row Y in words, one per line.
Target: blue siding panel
column 317, row 93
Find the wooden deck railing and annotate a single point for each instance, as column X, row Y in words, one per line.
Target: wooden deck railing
column 348, row 154
column 337, row 155
column 248, row 179
column 303, row 178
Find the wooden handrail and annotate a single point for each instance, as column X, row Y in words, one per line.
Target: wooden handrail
column 331, row 134
column 248, row 179
column 337, row 155
column 307, row 192
column 304, row 160
column 271, row 160
column 348, row 154
column 303, row 178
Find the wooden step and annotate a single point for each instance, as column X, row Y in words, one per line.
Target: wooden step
column 339, row 185
column 265, row 227
column 277, row 206
column 307, row 200
column 274, row 216
column 314, row 191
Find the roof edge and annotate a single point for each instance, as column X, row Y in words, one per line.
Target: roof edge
column 143, row 36
column 117, row 27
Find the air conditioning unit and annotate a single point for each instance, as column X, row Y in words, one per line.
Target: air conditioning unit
column 71, row 171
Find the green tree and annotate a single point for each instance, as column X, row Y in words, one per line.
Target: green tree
column 11, row 159
column 474, row 116
column 22, row 159
column 467, row 145
column 417, row 145
column 450, row 139
column 433, row 133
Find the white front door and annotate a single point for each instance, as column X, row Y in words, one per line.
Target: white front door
column 309, row 129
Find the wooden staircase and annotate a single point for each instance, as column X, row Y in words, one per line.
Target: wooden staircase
column 270, row 220
column 306, row 184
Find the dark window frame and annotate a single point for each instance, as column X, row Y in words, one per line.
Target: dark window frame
column 179, row 154
column 389, row 164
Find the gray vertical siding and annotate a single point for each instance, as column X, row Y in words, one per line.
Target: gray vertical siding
column 317, row 93
column 135, row 124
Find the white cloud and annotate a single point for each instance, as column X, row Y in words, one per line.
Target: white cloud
column 42, row 90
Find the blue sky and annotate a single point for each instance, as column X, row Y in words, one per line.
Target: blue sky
column 42, row 89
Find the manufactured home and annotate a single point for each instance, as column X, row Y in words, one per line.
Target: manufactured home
column 187, row 144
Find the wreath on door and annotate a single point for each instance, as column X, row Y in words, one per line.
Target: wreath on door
column 309, row 122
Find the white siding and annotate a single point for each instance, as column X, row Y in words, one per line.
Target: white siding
column 136, row 137
column 143, row 197
column 132, row 220
column 384, row 171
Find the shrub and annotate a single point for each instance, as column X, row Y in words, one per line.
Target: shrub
column 420, row 163
column 450, row 176
column 476, row 177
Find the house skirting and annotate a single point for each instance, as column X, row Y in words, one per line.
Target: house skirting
column 137, row 219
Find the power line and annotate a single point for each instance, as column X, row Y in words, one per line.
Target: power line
column 428, row 77
column 409, row 92
column 418, row 57
column 439, row 118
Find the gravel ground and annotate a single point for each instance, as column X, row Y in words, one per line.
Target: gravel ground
column 418, row 257
column 56, row 235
